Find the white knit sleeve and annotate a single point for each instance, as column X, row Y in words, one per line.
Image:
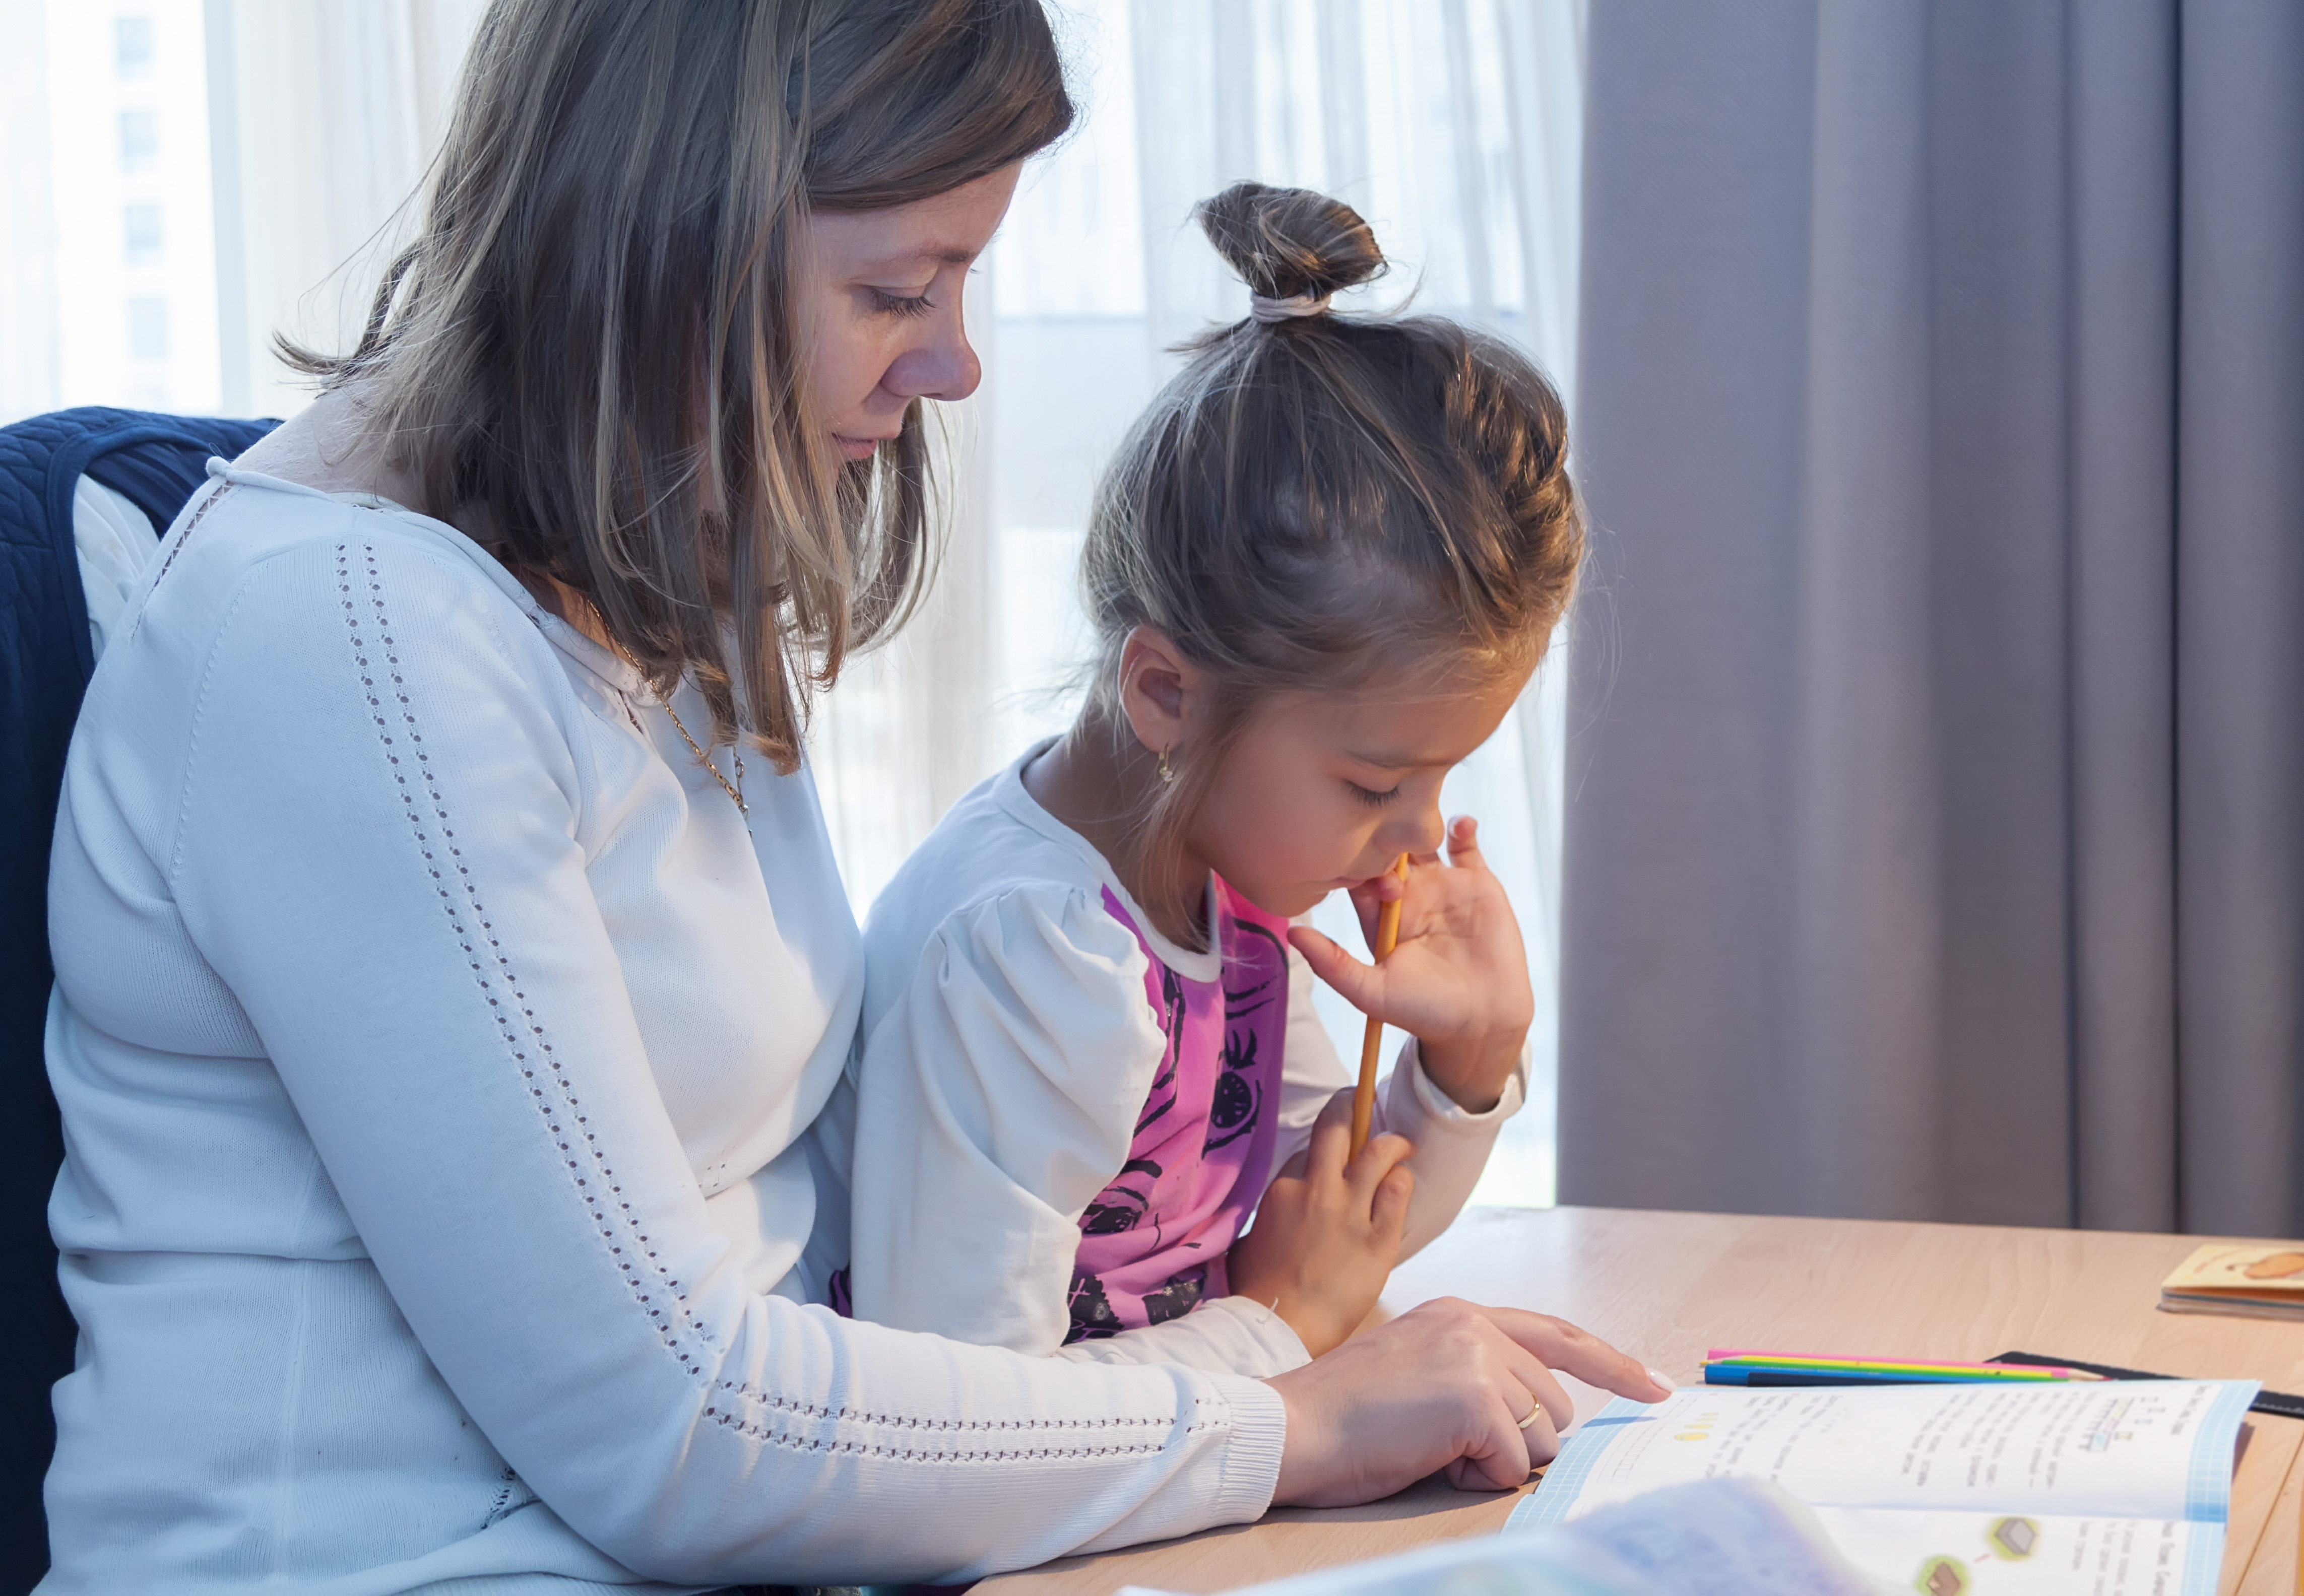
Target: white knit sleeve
column 1224, row 1332
column 378, row 850
column 996, row 1098
column 1451, row 1145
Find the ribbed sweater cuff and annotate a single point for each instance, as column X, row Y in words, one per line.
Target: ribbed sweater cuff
column 1442, row 1112
column 1252, row 1468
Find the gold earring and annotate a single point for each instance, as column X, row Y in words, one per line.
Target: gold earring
column 1167, row 770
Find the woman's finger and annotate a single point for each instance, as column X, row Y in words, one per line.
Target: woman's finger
column 1543, row 1387
column 1559, row 1345
column 1542, row 1431
column 1442, row 1386
column 1496, row 1457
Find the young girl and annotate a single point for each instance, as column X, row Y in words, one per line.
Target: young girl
column 1319, row 573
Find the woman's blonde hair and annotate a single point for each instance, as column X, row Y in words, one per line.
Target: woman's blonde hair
column 1322, row 500
column 593, row 339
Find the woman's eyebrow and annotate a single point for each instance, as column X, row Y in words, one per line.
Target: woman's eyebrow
column 937, row 254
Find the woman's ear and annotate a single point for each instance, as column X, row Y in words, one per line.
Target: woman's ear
column 1160, row 690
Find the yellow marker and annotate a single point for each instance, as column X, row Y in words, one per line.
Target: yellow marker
column 1387, row 933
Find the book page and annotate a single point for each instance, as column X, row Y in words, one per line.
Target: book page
column 2145, row 1449
column 2003, row 1554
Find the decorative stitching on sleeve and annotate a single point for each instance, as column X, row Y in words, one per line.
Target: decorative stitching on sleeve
column 185, row 536
column 995, row 1440
column 651, row 1284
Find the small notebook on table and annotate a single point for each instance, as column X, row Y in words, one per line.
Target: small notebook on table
column 2109, row 1488
column 2258, row 1279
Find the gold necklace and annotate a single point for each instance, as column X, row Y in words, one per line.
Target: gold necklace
column 735, row 793
column 572, row 600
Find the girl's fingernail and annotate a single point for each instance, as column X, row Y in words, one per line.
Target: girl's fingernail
column 1663, row 1380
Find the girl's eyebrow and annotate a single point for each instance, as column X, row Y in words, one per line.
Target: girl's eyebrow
column 1389, row 759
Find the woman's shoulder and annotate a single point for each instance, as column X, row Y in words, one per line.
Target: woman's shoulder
column 246, row 537
column 281, row 612
column 245, row 521
column 264, row 575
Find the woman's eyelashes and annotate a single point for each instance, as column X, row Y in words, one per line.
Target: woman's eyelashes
column 896, row 304
column 1373, row 799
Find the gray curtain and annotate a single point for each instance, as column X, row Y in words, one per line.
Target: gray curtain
column 1935, row 795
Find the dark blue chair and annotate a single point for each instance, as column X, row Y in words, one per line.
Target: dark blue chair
column 155, row 462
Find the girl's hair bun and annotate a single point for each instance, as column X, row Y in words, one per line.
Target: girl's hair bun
column 1289, row 242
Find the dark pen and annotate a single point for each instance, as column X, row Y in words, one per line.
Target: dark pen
column 2279, row 1403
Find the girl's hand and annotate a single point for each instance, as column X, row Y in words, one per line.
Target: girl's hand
column 1457, row 980
column 1327, row 1232
column 1445, row 1386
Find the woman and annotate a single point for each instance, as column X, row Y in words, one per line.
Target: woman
column 451, row 960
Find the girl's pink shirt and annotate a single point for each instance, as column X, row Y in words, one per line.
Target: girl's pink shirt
column 1153, row 1242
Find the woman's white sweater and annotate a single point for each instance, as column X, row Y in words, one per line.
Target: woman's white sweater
column 438, row 1055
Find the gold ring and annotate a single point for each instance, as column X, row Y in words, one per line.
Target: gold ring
column 1534, row 1413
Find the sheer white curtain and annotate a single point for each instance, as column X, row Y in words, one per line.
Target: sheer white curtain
column 323, row 116
column 1456, row 127
column 181, row 179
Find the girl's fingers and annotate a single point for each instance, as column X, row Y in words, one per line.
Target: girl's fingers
column 1378, row 1160
column 1332, row 1138
column 1464, row 844
column 1392, row 1195
column 1379, row 889
column 1357, row 983
column 1368, row 898
column 1388, row 883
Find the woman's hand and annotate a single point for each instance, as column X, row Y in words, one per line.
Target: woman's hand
column 1327, row 1231
column 1458, row 979
column 1446, row 1385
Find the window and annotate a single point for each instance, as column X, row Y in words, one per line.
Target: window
column 143, row 236
column 140, row 140
column 131, row 46
column 148, row 328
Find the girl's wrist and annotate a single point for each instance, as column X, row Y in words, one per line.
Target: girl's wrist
column 1472, row 1072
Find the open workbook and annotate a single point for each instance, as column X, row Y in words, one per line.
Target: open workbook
column 2106, row 1488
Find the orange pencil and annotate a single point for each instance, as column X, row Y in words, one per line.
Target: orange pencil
column 1387, row 933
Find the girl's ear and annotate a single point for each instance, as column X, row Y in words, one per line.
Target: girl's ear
column 1160, row 690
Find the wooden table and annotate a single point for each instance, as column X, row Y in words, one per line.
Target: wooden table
column 1664, row 1286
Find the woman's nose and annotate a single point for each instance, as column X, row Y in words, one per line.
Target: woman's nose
column 941, row 365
